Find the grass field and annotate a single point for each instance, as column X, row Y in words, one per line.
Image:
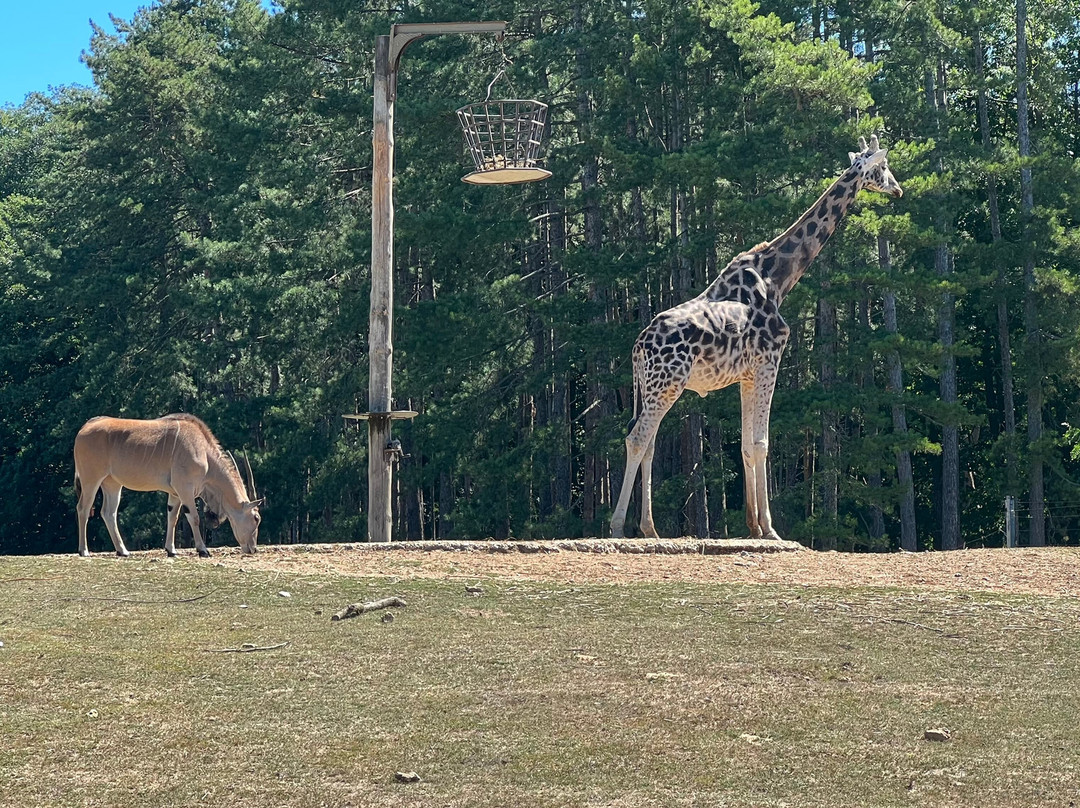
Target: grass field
column 130, row 683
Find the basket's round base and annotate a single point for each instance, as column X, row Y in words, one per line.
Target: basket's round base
column 506, row 176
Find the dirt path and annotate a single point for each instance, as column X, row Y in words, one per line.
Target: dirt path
column 1049, row 571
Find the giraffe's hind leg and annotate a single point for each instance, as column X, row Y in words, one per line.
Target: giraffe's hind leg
column 639, row 454
column 661, row 369
column 633, row 462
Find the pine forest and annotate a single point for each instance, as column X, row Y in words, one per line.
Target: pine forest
column 193, row 234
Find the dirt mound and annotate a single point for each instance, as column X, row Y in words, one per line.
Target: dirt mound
column 1045, row 571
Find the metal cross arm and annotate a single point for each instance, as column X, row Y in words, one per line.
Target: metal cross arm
column 404, row 34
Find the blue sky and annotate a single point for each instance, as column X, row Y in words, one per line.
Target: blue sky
column 41, row 41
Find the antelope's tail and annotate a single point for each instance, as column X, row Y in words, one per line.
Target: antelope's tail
column 78, row 493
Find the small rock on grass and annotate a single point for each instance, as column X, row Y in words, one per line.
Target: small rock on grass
column 407, row 777
column 939, row 734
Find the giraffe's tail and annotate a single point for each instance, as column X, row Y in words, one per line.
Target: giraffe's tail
column 636, row 394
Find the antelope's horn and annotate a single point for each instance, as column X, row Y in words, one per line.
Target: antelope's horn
column 237, row 467
column 251, row 478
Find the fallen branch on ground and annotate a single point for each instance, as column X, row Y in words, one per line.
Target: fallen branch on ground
column 246, row 648
column 133, row 600
column 357, row 609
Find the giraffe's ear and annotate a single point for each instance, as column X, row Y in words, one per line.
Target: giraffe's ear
column 852, row 155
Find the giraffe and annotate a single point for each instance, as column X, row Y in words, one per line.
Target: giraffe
column 733, row 332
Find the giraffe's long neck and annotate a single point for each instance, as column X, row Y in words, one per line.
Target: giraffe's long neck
column 786, row 258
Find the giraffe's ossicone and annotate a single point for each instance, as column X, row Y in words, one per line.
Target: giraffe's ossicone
column 733, row 332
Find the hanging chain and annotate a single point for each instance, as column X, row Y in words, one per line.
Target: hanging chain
column 492, row 82
column 507, row 63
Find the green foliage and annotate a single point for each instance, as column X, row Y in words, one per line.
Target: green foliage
column 194, row 234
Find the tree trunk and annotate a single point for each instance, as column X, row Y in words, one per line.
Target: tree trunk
column 716, row 448
column 597, row 397
column 697, row 505
column 1033, row 360
column 1004, row 337
column 895, row 386
column 414, row 508
column 866, row 382
column 950, row 443
column 556, row 405
column 445, row 527
column 830, row 442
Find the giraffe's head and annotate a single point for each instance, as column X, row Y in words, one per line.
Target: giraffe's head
column 873, row 168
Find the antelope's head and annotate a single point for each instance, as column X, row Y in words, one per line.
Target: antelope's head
column 247, row 530
column 245, row 516
column 245, row 524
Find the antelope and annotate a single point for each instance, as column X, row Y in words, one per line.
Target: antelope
column 177, row 454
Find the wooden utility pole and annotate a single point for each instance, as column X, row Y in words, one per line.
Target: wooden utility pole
column 383, row 452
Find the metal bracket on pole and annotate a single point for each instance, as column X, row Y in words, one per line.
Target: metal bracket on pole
column 404, row 34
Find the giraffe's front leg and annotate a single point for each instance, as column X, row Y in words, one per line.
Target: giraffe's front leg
column 756, row 406
column 750, row 481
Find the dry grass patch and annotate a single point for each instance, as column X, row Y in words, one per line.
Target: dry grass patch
column 114, row 692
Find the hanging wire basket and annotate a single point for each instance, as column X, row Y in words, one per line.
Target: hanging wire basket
column 503, row 138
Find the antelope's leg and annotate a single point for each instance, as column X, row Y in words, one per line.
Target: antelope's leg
column 193, row 520
column 87, row 493
column 172, row 517
column 110, row 493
